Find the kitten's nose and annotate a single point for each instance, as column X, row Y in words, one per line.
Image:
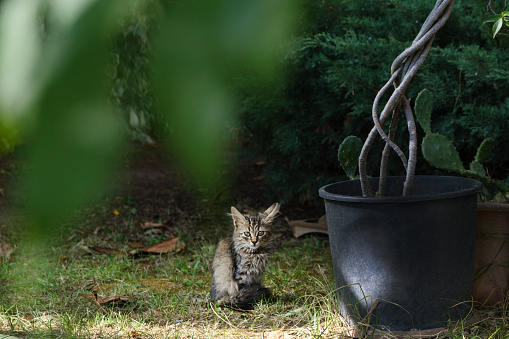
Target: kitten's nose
column 254, row 241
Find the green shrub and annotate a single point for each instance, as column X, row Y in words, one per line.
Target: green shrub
column 341, row 59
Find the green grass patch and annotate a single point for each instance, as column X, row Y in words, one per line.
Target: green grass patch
column 92, row 280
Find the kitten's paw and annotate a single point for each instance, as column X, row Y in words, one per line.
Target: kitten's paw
column 262, row 293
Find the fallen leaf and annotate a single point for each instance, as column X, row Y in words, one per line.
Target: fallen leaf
column 102, row 301
column 96, row 231
column 149, row 224
column 109, row 251
column 114, row 299
column 5, row 250
column 71, row 237
column 134, row 244
column 116, row 212
column 166, row 246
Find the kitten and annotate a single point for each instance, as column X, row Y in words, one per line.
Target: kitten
column 240, row 260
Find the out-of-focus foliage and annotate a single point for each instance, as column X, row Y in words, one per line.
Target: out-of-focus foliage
column 129, row 72
column 342, row 57
column 67, row 68
column 201, row 49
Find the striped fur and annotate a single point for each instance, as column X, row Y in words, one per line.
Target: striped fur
column 240, row 260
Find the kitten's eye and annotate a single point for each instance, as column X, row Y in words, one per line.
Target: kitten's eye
column 261, row 233
column 247, row 234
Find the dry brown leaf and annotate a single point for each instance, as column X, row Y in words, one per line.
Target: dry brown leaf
column 99, row 302
column 5, row 250
column 166, row 246
column 149, row 224
column 135, row 244
column 96, row 231
column 90, row 297
column 112, row 299
column 109, row 251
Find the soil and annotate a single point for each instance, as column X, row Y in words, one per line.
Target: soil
column 152, row 186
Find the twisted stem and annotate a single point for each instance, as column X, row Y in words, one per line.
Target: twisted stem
column 403, row 69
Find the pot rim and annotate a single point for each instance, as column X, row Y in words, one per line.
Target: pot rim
column 475, row 186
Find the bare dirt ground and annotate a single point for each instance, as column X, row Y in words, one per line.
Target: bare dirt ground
column 151, row 185
column 157, row 188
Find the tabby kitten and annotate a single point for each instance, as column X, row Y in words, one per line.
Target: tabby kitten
column 240, row 260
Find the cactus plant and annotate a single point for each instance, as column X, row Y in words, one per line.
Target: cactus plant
column 348, row 154
column 484, row 149
column 423, row 108
column 441, row 153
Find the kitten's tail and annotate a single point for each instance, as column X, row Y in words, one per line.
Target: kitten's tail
column 248, row 296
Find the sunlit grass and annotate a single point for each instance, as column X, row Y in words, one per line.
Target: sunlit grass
column 47, row 292
column 166, row 296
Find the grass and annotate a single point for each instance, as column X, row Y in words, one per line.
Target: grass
column 166, row 296
column 48, row 290
column 44, row 287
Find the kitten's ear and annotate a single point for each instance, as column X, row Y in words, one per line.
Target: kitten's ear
column 238, row 218
column 271, row 213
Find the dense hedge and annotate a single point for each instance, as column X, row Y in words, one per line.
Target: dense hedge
column 336, row 66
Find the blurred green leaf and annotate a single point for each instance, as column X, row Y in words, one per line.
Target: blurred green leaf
column 75, row 133
column 202, row 47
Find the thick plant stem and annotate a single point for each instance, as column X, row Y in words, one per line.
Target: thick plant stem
column 405, row 66
column 412, row 148
column 387, row 150
column 366, row 187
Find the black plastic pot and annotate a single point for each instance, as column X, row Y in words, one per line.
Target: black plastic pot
column 403, row 263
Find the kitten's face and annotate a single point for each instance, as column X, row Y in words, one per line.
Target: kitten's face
column 253, row 232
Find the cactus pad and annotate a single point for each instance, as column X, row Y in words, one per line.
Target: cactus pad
column 484, row 149
column 441, row 153
column 423, row 107
column 348, row 154
column 477, row 167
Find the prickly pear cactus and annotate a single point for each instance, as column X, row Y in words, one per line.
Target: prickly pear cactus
column 478, row 168
column 423, row 107
column 441, row 153
column 484, row 149
column 348, row 154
